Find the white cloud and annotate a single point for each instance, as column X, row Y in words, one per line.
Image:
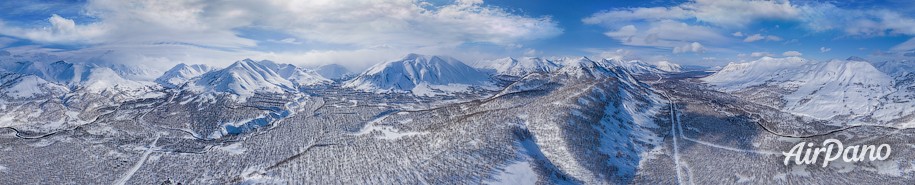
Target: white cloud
column 399, row 25
column 694, row 47
column 757, row 37
column 740, row 13
column 666, row 34
column 289, row 41
column 5, row 41
column 754, row 38
column 724, row 13
column 773, row 38
column 635, row 14
column 792, row 54
column 61, row 30
column 856, row 22
column 760, row 54
column 616, row 54
column 737, row 34
column 393, row 22
column 817, row 16
column 825, row 49
column 905, row 46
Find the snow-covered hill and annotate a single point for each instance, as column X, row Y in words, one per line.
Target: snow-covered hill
column 19, row 86
column 583, row 67
column 136, row 72
column 419, row 74
column 296, row 75
column 243, row 78
column 334, row 71
column 181, row 73
column 820, row 90
column 80, row 77
column 518, row 67
column 60, row 72
column 635, row 67
column 668, row 66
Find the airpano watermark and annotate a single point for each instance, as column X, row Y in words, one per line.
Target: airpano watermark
column 832, row 149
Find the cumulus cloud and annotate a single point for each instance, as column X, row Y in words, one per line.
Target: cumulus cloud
column 792, row 54
column 694, row 47
column 737, row 34
column 60, row 30
column 825, row 49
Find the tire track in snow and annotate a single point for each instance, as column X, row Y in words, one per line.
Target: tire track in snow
column 133, row 170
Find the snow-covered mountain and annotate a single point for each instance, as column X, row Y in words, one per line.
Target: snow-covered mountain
column 518, row 67
column 243, row 78
column 635, row 67
column 76, row 76
column 106, row 80
column 181, row 73
column 668, row 66
column 137, row 72
column 895, row 68
column 419, row 74
column 18, row 86
column 820, row 90
column 60, row 72
column 334, row 71
column 583, row 67
column 296, row 75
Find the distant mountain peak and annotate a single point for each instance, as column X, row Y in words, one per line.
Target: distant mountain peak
column 414, row 70
column 181, row 73
column 247, row 77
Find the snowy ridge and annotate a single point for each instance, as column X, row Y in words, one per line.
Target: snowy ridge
column 583, row 67
column 18, row 86
column 296, row 75
column 181, row 73
column 419, row 74
column 635, row 67
column 80, row 77
column 137, row 72
column 668, row 66
column 817, row 89
column 243, row 78
column 334, row 71
column 60, row 72
column 101, row 79
column 519, row 67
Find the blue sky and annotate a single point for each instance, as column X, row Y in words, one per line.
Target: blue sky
column 361, row 33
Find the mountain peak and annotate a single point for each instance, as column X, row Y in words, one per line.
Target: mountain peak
column 247, row 77
column 416, row 70
column 519, row 67
column 181, row 73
